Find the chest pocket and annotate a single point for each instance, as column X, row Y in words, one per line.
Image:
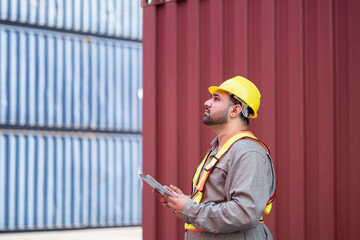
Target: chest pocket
column 221, row 167
column 216, row 184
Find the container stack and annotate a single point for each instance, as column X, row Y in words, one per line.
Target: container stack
column 70, row 114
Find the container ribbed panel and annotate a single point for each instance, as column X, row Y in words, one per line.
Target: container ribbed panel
column 117, row 18
column 68, row 181
column 49, row 79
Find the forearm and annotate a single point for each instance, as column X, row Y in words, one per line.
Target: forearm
column 224, row 217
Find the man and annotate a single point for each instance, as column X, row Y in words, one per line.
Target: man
column 235, row 183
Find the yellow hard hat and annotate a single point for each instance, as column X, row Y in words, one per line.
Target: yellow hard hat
column 243, row 89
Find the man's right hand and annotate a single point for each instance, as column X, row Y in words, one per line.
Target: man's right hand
column 161, row 198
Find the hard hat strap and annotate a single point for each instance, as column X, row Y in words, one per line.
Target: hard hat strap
column 244, row 106
column 244, row 109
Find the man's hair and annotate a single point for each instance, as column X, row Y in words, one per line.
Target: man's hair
column 243, row 118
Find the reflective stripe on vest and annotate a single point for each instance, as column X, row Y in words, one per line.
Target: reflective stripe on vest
column 199, row 184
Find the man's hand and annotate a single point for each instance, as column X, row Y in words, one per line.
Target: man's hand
column 159, row 196
column 175, row 204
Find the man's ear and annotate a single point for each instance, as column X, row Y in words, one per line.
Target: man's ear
column 235, row 111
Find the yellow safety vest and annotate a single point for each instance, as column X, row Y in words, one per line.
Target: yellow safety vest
column 198, row 185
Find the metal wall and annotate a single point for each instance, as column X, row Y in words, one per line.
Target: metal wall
column 70, row 114
column 303, row 55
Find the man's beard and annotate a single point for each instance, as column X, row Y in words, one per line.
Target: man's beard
column 218, row 119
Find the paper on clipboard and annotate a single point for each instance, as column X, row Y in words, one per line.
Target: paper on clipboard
column 156, row 185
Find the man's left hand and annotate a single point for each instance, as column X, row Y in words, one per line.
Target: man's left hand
column 176, row 204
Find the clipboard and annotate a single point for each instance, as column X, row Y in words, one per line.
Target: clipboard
column 156, row 185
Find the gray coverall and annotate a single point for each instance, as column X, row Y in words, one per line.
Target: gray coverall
column 235, row 195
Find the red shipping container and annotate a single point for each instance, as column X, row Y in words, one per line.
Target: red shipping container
column 303, row 55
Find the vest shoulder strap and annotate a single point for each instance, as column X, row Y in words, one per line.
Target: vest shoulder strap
column 232, row 140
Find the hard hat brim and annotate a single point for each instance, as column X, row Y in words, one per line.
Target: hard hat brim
column 213, row 89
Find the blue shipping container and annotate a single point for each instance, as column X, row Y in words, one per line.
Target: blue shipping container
column 49, row 79
column 117, row 18
column 57, row 180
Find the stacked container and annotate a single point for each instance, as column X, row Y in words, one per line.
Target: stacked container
column 70, row 113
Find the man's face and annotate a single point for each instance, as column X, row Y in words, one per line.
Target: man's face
column 217, row 109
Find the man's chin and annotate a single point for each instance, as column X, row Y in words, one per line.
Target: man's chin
column 204, row 120
column 207, row 121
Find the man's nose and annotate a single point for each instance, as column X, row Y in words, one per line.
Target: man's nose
column 207, row 103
